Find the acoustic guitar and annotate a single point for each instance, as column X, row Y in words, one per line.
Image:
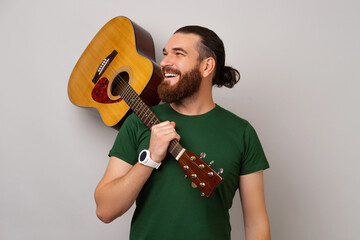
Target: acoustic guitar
column 120, row 47
column 111, row 74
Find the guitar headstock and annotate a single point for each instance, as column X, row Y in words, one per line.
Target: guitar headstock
column 202, row 175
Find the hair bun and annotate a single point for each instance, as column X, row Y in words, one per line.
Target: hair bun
column 228, row 77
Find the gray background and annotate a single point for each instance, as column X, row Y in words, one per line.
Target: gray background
column 299, row 62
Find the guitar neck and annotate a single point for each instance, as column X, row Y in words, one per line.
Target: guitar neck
column 145, row 114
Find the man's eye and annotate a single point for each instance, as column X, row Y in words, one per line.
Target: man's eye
column 179, row 53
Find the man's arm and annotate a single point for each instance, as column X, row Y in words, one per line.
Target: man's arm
column 119, row 188
column 122, row 182
column 256, row 221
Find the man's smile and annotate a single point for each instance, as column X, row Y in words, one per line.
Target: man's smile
column 170, row 75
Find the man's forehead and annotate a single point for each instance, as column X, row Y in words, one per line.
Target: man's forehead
column 184, row 41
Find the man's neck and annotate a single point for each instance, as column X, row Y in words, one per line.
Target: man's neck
column 193, row 105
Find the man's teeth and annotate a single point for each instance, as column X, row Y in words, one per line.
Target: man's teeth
column 170, row 75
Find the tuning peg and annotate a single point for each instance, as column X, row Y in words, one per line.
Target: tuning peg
column 220, row 171
column 211, row 163
column 202, row 155
column 203, row 194
column 186, row 176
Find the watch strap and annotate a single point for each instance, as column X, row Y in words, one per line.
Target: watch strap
column 144, row 159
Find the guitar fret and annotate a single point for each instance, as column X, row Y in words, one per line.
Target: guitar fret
column 143, row 112
column 138, row 106
column 175, row 148
column 151, row 120
column 147, row 118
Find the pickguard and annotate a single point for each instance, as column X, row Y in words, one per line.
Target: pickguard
column 100, row 92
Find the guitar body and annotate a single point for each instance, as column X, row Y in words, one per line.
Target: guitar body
column 120, row 48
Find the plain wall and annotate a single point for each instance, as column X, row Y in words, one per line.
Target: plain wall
column 299, row 62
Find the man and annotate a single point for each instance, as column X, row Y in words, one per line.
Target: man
column 167, row 207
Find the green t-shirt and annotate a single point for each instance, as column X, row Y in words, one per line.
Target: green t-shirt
column 167, row 206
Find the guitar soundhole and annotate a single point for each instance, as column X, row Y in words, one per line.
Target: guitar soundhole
column 119, row 83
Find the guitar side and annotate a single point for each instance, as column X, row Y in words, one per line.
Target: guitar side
column 121, row 46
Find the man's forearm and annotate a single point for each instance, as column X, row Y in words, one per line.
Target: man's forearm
column 258, row 232
column 114, row 198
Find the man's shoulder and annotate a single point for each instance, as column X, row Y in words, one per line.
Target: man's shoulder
column 230, row 117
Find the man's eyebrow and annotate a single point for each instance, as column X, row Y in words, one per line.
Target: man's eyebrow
column 179, row 50
column 176, row 49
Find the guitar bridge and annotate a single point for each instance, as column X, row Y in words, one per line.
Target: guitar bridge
column 104, row 65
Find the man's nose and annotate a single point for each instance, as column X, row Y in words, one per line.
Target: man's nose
column 166, row 61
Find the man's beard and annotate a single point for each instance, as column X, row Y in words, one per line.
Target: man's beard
column 188, row 84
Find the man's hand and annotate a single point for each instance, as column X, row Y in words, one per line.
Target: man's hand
column 161, row 136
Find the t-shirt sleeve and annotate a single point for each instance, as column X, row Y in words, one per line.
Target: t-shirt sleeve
column 254, row 157
column 125, row 143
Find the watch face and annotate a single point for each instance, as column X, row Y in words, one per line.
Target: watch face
column 143, row 156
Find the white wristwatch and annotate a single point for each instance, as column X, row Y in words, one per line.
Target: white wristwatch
column 144, row 159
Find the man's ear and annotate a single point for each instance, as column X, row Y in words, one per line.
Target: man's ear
column 208, row 67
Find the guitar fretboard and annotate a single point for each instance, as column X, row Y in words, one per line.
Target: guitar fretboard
column 145, row 114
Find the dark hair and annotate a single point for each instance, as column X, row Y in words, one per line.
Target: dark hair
column 212, row 46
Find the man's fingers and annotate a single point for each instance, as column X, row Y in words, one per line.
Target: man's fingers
column 164, row 127
column 165, row 130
